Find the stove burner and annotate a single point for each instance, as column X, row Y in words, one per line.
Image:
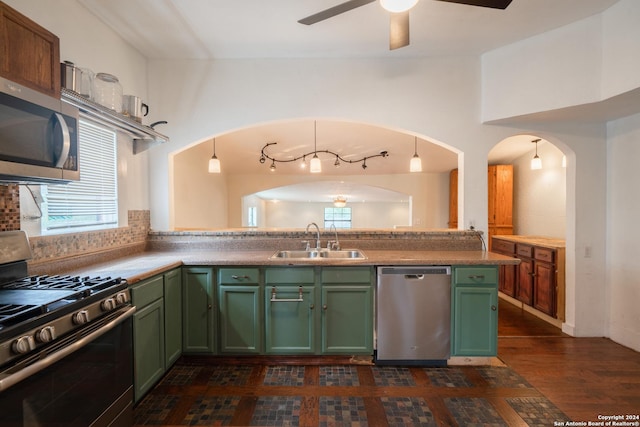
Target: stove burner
column 76, row 283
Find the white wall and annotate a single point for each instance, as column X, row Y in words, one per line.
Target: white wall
column 539, row 205
column 363, row 215
column 623, row 201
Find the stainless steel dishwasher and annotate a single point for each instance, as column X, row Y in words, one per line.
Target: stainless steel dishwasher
column 413, row 315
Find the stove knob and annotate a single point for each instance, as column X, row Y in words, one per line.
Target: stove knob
column 81, row 317
column 23, row 345
column 46, row 334
column 108, row 304
column 122, row 298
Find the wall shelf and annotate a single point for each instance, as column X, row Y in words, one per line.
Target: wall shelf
column 144, row 137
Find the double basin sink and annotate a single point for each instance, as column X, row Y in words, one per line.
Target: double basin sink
column 320, row 254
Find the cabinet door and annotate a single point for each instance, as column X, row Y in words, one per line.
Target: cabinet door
column 544, row 288
column 148, row 346
column 347, row 319
column 240, row 319
column 172, row 316
column 475, row 321
column 198, row 301
column 290, row 319
column 453, row 199
column 524, row 291
column 30, row 54
column 507, row 283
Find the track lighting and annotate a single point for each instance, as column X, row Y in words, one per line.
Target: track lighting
column 416, row 163
column 315, row 165
column 536, row 162
column 214, row 163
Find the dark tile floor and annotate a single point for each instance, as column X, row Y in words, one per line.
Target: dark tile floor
column 202, row 394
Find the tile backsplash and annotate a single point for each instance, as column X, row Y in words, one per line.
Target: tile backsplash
column 9, row 207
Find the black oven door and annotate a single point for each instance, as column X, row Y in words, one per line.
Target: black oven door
column 91, row 386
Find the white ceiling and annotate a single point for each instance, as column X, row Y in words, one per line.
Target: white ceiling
column 212, row 29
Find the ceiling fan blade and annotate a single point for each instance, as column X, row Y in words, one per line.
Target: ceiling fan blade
column 495, row 4
column 333, row 11
column 398, row 30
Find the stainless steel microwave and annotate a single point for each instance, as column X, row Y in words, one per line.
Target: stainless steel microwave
column 38, row 137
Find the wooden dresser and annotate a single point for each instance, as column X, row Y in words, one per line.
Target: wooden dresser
column 538, row 281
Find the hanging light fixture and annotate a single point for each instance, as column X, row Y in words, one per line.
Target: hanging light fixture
column 536, row 162
column 416, row 163
column 214, row 163
column 340, row 202
column 315, row 166
column 397, row 6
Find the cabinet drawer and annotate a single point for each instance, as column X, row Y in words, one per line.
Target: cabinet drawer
column 503, row 247
column 290, row 275
column 147, row 292
column 544, row 254
column 524, row 250
column 239, row 276
column 346, row 275
column 475, row 275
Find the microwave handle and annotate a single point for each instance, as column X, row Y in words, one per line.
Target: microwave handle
column 66, row 141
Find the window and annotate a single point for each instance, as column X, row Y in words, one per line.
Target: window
column 252, row 217
column 92, row 202
column 340, row 217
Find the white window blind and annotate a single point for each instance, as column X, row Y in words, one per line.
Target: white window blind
column 92, row 202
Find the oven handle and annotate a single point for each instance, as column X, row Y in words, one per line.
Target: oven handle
column 38, row 366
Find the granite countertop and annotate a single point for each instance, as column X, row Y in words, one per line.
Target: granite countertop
column 547, row 242
column 147, row 264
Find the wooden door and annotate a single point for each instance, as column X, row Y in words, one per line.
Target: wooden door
column 545, row 288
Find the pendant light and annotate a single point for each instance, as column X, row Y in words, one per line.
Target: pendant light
column 397, row 6
column 416, row 162
column 214, row 163
column 536, row 162
column 315, row 166
column 340, row 202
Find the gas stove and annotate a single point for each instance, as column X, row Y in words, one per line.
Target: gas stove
column 38, row 310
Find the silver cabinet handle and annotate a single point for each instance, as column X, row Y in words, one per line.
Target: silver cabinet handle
column 476, row 276
column 494, row 308
column 274, row 297
column 236, row 277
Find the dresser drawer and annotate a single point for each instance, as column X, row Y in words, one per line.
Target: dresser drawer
column 475, row 275
column 544, row 254
column 503, row 247
column 524, row 250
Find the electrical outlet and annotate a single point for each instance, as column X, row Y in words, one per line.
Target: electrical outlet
column 587, row 251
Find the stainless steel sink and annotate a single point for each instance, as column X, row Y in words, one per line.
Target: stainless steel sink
column 327, row 254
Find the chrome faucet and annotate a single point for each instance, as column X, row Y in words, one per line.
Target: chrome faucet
column 333, row 244
column 317, row 233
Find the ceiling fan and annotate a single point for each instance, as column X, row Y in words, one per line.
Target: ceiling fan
column 399, row 15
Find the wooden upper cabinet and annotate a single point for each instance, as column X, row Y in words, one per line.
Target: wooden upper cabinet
column 453, row 199
column 29, row 54
column 500, row 200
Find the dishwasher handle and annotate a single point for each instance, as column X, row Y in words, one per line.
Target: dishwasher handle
column 414, row 276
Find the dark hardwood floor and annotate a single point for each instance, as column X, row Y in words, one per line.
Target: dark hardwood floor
column 548, row 378
column 583, row 377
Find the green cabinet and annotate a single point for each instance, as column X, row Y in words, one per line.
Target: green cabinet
column 240, row 301
column 198, row 320
column 172, row 316
column 290, row 311
column 347, row 310
column 148, row 334
column 474, row 315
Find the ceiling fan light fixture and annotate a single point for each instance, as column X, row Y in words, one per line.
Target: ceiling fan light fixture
column 397, row 6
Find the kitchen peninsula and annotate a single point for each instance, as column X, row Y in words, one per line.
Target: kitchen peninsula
column 223, row 293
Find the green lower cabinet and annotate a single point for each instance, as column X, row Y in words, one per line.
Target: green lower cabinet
column 347, row 319
column 290, row 319
column 240, row 319
column 475, row 311
column 148, row 343
column 198, row 320
column 172, row 316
